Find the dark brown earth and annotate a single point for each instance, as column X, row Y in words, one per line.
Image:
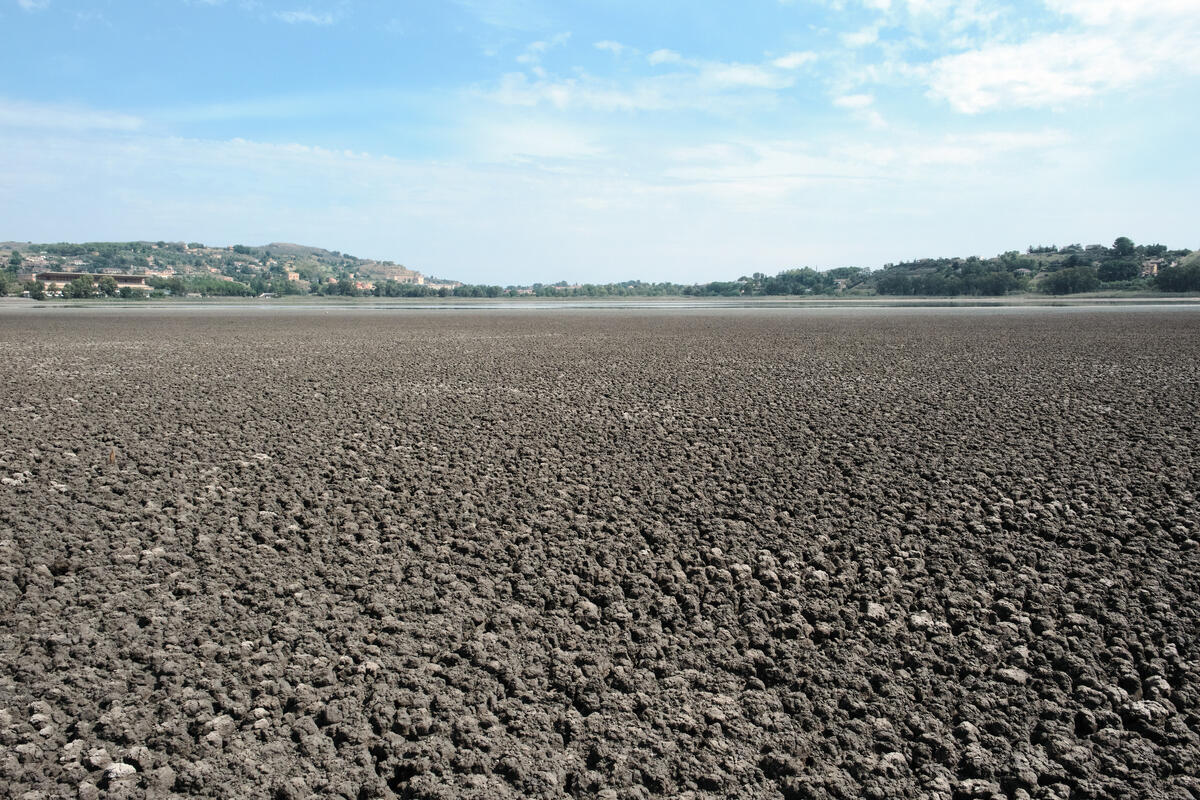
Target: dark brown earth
column 601, row 554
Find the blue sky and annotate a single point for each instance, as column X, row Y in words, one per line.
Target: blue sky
column 511, row 141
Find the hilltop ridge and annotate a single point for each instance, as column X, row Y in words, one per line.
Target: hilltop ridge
column 277, row 268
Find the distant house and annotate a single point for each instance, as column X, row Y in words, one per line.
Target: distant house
column 293, row 276
column 1023, row 271
column 399, row 274
column 1151, row 267
column 56, row 280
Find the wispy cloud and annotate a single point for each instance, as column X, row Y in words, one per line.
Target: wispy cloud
column 860, row 107
column 33, row 5
column 616, row 48
column 772, row 168
column 296, row 106
column 853, row 101
column 738, row 76
column 862, row 37
column 535, row 50
column 1045, row 71
column 519, row 141
column 683, row 83
column 47, row 116
column 694, row 84
column 305, row 17
column 1104, row 12
column 509, row 15
column 91, row 19
column 663, row 57
column 794, row 60
column 1117, row 45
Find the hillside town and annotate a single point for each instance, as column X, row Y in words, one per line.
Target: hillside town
column 193, row 269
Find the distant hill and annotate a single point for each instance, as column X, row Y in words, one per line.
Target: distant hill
column 1052, row 269
column 1124, row 266
column 287, row 267
column 300, row 250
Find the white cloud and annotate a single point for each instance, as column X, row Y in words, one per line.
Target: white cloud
column 1114, row 45
column 535, row 50
column 743, row 75
column 91, row 19
column 862, row 37
column 1045, row 71
column 716, row 87
column 616, row 48
column 512, row 15
column 304, row 18
column 535, row 140
column 860, row 107
column 33, row 5
column 1104, row 12
column 854, row 101
column 973, row 149
column 516, row 89
column 773, row 169
column 45, row 116
column 794, row 60
column 280, row 107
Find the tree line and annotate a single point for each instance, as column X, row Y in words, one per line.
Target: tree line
column 1045, row 268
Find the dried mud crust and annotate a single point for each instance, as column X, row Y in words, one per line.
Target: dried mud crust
column 601, row 555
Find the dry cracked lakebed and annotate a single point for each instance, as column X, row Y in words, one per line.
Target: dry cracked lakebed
column 600, row 554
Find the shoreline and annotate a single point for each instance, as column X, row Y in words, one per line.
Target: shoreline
column 1107, row 301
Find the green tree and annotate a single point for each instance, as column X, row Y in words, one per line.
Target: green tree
column 108, row 285
column 15, row 260
column 1071, row 281
column 1184, row 278
column 81, row 287
column 1118, row 270
column 36, row 290
column 1123, row 246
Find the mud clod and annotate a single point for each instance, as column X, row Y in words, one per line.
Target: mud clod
column 763, row 554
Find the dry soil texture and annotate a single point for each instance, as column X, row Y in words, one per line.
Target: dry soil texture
column 600, row 554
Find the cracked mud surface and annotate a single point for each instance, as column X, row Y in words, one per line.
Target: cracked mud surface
column 767, row 554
